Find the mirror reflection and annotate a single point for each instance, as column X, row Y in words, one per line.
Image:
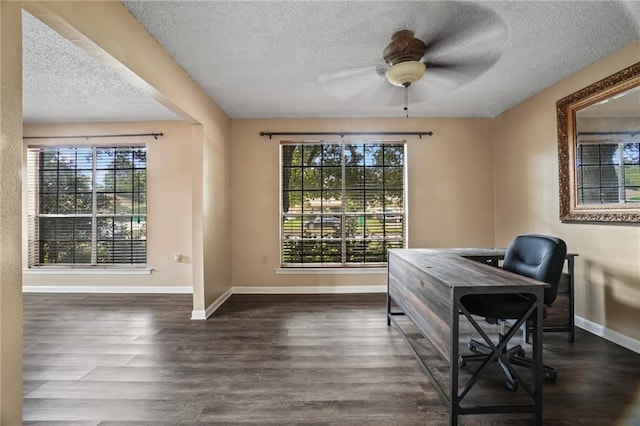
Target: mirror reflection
column 607, row 151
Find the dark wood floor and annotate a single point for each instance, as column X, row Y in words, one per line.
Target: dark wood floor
column 313, row 359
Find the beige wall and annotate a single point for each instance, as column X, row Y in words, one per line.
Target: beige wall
column 109, row 32
column 450, row 191
column 216, row 207
column 526, row 188
column 168, row 193
column 10, row 213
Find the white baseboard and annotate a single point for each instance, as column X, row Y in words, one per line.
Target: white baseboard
column 608, row 334
column 105, row 289
column 312, row 290
column 203, row 315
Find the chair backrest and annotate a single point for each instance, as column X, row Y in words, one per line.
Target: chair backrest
column 540, row 257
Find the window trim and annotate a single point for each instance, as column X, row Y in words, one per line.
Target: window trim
column 79, row 268
column 620, row 166
column 339, row 268
column 87, row 270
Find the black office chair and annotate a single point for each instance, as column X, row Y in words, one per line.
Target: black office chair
column 535, row 256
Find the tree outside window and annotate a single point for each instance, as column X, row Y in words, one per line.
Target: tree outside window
column 342, row 203
column 87, row 205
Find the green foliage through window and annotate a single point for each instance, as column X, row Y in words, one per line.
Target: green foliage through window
column 342, row 203
column 87, row 205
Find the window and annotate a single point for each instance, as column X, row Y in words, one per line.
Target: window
column 87, row 205
column 342, row 203
column 608, row 173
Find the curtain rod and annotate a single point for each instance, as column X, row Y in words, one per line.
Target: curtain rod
column 343, row 134
column 155, row 136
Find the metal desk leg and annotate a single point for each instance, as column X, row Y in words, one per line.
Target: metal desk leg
column 537, row 359
column 572, row 332
column 454, row 397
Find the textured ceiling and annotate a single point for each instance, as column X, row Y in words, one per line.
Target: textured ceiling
column 276, row 59
column 62, row 83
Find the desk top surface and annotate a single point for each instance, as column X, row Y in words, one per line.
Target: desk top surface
column 451, row 268
column 481, row 252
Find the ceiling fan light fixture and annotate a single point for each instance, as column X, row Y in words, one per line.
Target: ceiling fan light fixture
column 404, row 74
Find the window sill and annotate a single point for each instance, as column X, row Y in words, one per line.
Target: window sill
column 329, row 271
column 87, row 271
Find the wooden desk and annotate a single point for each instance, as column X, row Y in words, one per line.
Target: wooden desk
column 427, row 284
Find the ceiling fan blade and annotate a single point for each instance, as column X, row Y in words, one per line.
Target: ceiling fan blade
column 361, row 85
column 381, row 68
column 449, row 77
column 470, row 43
column 350, row 83
column 466, row 27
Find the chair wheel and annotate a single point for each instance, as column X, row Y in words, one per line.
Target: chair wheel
column 512, row 386
column 473, row 347
column 521, row 353
column 462, row 364
column 551, row 376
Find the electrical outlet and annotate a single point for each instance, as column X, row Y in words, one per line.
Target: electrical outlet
column 265, row 260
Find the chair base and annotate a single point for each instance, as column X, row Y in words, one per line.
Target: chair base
column 515, row 355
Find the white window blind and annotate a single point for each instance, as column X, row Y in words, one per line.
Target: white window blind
column 87, row 205
column 607, row 172
column 343, row 203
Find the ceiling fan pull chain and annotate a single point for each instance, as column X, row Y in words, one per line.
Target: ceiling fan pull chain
column 406, row 100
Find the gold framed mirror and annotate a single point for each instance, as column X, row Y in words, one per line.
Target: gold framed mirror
column 598, row 150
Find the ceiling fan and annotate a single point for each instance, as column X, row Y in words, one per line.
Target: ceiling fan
column 463, row 47
column 404, row 59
